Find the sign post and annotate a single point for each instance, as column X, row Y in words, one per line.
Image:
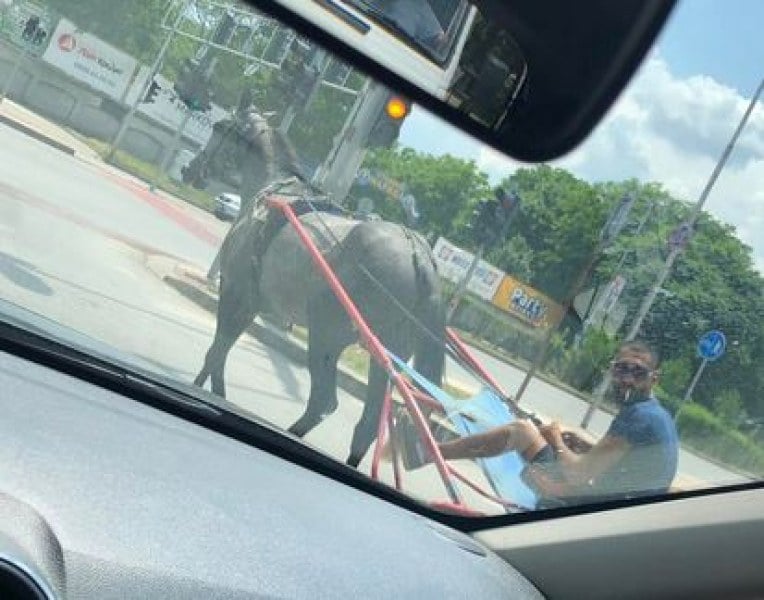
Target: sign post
column 711, row 347
column 461, row 288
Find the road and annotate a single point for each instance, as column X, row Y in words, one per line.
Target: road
column 75, row 241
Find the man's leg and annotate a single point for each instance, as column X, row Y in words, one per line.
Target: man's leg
column 482, row 445
column 520, row 436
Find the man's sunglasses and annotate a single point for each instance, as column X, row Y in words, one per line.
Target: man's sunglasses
column 633, row 369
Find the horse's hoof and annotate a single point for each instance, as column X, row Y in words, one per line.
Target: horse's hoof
column 294, row 430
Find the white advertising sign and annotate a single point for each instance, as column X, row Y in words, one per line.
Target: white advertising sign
column 453, row 264
column 165, row 108
column 89, row 59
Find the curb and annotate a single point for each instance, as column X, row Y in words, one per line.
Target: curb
column 41, row 137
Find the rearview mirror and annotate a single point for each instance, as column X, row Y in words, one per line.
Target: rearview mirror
column 530, row 78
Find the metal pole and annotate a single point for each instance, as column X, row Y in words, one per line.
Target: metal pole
column 171, row 150
column 286, row 121
column 691, row 387
column 461, row 289
column 676, row 250
column 144, row 88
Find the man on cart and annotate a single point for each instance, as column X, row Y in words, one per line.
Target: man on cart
column 636, row 457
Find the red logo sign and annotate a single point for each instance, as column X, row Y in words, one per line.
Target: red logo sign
column 67, row 42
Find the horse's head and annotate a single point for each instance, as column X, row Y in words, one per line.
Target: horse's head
column 214, row 160
column 244, row 151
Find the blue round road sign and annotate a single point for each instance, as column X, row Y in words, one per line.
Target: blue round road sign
column 712, row 345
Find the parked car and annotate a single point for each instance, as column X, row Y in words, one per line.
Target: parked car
column 227, row 206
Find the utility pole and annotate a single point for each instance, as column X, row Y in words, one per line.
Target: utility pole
column 461, row 289
column 337, row 173
column 675, row 251
column 170, row 152
column 155, row 67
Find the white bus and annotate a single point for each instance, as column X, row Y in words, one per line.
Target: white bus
column 444, row 47
column 420, row 40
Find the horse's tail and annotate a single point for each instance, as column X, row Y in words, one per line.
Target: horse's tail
column 430, row 312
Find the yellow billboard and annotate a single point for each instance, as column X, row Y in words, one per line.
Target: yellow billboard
column 526, row 303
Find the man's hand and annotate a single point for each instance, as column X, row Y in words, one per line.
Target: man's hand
column 553, row 435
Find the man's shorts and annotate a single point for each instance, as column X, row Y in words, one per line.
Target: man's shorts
column 545, row 460
column 544, row 456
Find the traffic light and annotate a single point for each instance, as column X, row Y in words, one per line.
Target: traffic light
column 152, row 92
column 385, row 130
column 304, row 83
column 490, row 219
column 30, row 28
column 193, row 84
column 507, row 204
column 192, row 88
column 298, row 75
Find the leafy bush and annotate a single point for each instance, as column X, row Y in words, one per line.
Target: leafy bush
column 701, row 429
column 728, row 406
column 583, row 365
column 496, row 327
column 676, row 374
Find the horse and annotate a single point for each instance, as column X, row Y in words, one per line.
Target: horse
column 388, row 270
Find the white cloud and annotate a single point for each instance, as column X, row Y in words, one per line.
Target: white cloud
column 495, row 164
column 673, row 131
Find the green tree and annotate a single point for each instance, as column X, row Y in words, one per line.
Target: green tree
column 446, row 189
column 560, row 221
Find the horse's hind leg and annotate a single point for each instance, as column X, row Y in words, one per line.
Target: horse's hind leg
column 329, row 333
column 366, row 429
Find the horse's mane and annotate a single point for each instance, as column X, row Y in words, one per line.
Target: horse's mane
column 269, row 143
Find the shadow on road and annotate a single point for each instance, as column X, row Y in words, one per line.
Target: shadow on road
column 23, row 274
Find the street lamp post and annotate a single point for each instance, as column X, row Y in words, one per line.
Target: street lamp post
column 676, row 250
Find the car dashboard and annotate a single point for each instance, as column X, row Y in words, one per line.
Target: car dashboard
column 105, row 497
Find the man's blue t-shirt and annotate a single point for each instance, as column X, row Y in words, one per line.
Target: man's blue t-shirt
column 650, row 464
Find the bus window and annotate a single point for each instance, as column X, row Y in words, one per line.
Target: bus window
column 429, row 25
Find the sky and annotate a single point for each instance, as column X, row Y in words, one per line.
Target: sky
column 672, row 122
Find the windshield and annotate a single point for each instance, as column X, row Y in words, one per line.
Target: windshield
column 518, row 337
column 429, row 25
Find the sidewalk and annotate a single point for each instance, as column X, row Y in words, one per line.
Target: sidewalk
column 20, row 118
